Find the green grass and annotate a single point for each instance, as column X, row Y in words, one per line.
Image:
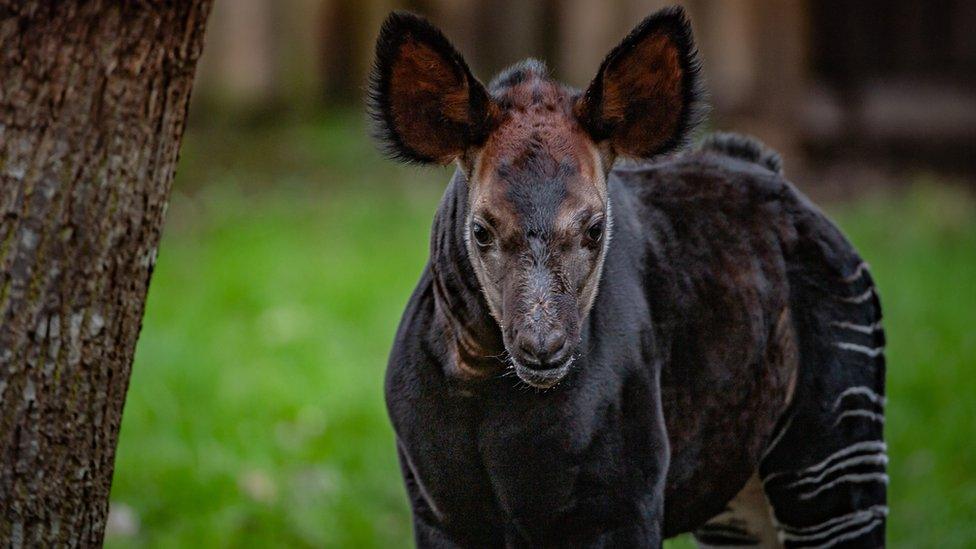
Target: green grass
column 922, row 248
column 255, row 414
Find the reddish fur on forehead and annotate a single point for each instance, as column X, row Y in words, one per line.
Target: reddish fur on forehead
column 538, row 119
column 534, row 89
column 537, row 127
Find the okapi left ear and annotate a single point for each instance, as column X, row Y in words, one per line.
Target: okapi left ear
column 646, row 98
column 426, row 105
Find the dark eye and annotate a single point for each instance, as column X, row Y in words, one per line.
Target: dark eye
column 595, row 231
column 481, row 234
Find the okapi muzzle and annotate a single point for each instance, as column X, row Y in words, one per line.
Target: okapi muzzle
column 540, row 316
column 537, row 238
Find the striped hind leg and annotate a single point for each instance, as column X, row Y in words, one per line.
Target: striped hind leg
column 825, row 470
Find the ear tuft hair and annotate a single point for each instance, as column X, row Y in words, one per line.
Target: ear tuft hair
column 648, row 94
column 424, row 103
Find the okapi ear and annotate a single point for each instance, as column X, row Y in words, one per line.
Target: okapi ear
column 647, row 97
column 426, row 105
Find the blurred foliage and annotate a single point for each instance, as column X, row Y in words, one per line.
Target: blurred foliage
column 255, row 414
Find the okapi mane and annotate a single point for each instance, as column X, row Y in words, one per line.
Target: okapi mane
column 745, row 147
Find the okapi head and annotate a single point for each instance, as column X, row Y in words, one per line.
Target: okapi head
column 536, row 155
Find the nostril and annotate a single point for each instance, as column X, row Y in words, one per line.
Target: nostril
column 542, row 351
column 552, row 345
column 527, row 349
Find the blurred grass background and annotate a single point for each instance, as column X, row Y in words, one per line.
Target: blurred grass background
column 255, row 415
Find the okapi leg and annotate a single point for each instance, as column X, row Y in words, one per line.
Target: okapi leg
column 825, row 470
column 746, row 521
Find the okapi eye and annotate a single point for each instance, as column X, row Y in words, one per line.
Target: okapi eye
column 595, row 232
column 481, row 234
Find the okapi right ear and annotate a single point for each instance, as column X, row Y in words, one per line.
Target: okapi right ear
column 426, row 105
column 646, row 97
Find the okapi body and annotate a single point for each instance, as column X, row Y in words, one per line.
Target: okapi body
column 609, row 356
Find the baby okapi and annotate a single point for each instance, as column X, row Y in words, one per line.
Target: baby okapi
column 609, row 356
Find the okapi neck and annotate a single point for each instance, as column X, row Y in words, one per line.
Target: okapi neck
column 460, row 304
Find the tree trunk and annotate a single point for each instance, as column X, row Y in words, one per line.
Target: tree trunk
column 93, row 100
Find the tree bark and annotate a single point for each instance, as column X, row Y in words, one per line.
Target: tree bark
column 93, row 101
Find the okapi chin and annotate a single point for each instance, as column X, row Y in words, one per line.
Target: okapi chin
column 601, row 355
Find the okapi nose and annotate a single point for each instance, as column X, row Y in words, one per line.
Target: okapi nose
column 542, row 351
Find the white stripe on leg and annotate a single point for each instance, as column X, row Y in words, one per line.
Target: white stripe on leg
column 860, row 390
column 872, row 352
column 875, row 510
column 858, row 271
column 861, row 298
column 872, row 459
column 852, row 535
column 862, row 328
column 873, row 446
column 873, row 416
column 847, row 479
column 834, row 525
